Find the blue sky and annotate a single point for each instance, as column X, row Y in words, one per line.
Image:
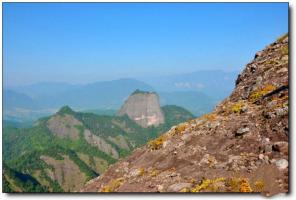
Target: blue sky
column 80, row 43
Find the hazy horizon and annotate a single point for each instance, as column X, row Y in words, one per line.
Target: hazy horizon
column 85, row 42
column 142, row 78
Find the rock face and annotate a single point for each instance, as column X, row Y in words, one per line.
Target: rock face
column 242, row 146
column 63, row 126
column 143, row 108
column 100, row 143
column 65, row 172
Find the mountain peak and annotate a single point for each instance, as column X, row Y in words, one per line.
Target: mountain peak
column 65, row 110
column 138, row 91
column 144, row 108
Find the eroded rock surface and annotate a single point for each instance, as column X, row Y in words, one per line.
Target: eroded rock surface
column 242, row 146
column 100, row 143
column 143, row 108
column 64, row 126
column 65, row 172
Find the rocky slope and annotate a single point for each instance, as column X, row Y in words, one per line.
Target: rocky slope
column 143, row 108
column 242, row 146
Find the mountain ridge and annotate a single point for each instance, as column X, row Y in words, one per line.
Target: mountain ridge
column 242, row 146
column 63, row 151
column 48, row 97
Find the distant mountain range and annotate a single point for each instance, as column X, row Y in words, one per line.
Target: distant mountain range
column 216, row 84
column 198, row 92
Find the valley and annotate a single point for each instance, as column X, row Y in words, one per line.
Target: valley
column 64, row 151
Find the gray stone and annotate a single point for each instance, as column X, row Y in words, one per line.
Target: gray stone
column 186, row 137
column 242, row 131
column 244, row 109
column 282, row 111
column 268, row 148
column 259, row 80
column 271, row 104
column 282, row 164
column 266, row 158
column 258, row 162
column 178, row 186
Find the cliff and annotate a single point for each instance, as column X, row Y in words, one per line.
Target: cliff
column 143, row 108
column 242, row 146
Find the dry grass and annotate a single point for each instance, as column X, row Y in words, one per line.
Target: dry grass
column 257, row 94
column 245, row 186
column 208, row 185
column 259, row 186
column 237, row 107
column 285, row 50
column 280, row 39
column 157, row 143
column 113, row 185
column 154, row 173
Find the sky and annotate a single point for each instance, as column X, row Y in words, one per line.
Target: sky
column 87, row 42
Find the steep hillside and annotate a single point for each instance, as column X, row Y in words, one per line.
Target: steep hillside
column 14, row 181
column 143, row 108
column 242, row 146
column 64, row 151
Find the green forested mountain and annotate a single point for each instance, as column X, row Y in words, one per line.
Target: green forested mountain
column 62, row 152
column 14, row 181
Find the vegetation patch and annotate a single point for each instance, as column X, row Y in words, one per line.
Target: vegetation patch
column 231, row 184
column 259, row 186
column 243, row 185
column 157, row 143
column 257, row 94
column 185, row 190
column 179, row 130
column 208, row 185
column 154, row 173
column 237, row 107
column 113, row 185
column 285, row 50
column 210, row 116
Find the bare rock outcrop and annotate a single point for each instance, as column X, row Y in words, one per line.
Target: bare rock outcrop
column 100, row 143
column 64, row 126
column 242, row 146
column 65, row 172
column 143, row 108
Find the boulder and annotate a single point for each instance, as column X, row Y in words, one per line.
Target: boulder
column 242, row 131
column 178, row 186
column 282, row 164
